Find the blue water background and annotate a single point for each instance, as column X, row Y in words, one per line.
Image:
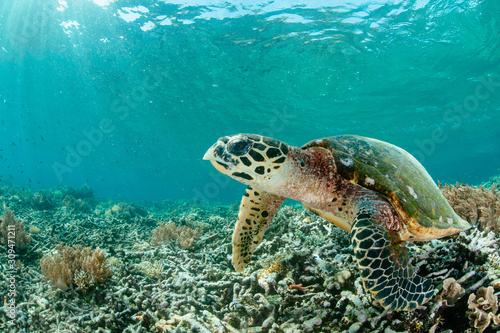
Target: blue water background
column 126, row 96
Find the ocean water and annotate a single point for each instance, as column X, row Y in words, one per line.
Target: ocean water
column 126, row 96
column 110, row 220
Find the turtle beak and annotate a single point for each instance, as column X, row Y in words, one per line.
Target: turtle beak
column 209, row 155
column 216, row 162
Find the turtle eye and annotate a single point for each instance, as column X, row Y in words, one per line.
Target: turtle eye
column 238, row 147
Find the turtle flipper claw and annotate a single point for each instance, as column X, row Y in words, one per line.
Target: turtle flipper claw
column 385, row 269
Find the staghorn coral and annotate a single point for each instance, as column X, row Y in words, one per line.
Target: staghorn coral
column 13, row 231
column 186, row 236
column 75, row 265
column 478, row 205
column 483, row 306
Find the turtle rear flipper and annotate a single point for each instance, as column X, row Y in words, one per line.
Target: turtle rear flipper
column 385, row 269
column 257, row 210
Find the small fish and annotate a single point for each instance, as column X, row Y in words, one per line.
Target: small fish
column 42, row 138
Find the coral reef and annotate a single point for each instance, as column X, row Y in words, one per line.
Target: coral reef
column 75, row 265
column 76, row 204
column 483, row 308
column 478, row 205
column 185, row 236
column 43, row 200
column 13, row 231
column 493, row 181
column 34, row 229
column 152, row 269
column 302, row 278
column 452, row 292
column 83, row 192
column 125, row 211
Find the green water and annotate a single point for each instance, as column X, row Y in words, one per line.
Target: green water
column 126, row 96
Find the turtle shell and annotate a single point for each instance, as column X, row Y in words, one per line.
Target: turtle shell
column 396, row 174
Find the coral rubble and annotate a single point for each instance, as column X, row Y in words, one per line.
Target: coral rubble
column 172, row 272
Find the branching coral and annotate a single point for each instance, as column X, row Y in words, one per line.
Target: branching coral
column 186, row 236
column 13, row 231
column 484, row 307
column 478, row 205
column 75, row 265
column 480, row 242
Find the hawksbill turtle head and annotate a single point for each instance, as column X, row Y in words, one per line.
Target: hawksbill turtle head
column 250, row 159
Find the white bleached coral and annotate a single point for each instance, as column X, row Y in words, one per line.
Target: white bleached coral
column 479, row 241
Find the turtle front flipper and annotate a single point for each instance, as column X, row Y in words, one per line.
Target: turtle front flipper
column 257, row 210
column 385, row 269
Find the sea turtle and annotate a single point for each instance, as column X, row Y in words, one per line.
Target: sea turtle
column 376, row 191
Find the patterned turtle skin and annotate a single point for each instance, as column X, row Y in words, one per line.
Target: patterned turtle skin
column 376, row 191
